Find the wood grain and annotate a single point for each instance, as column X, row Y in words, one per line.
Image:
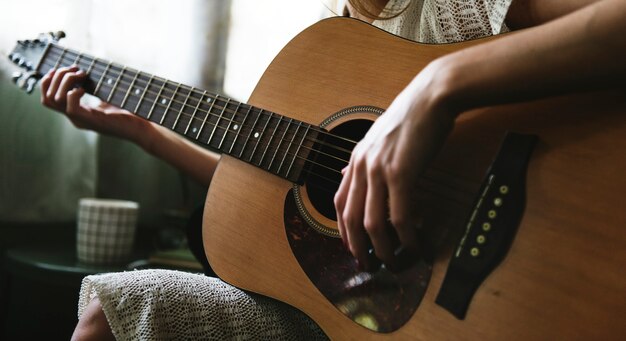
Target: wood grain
column 563, row 277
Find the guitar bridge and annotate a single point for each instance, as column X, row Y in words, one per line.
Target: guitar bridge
column 491, row 226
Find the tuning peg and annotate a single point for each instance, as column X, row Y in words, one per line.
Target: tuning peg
column 26, row 81
column 56, row 36
column 15, row 77
column 15, row 57
column 30, row 84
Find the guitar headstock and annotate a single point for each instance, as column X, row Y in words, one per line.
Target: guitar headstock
column 27, row 54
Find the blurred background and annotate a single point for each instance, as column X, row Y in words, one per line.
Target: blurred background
column 47, row 165
column 222, row 46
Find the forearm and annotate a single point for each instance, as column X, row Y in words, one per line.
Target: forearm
column 580, row 51
column 529, row 13
column 59, row 93
column 184, row 155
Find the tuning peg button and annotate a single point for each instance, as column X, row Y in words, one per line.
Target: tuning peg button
column 56, row 36
column 15, row 77
column 30, row 84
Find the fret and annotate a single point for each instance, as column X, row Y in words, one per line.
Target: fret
column 250, row 133
column 269, row 142
column 208, row 113
column 156, row 99
column 243, row 123
column 58, row 63
column 115, row 85
column 130, row 88
column 219, row 118
column 195, row 110
column 182, row 107
column 93, row 62
column 260, row 136
column 282, row 144
column 306, row 132
column 289, row 147
column 231, row 121
column 78, row 56
column 233, row 128
column 169, row 104
column 187, row 112
column 102, row 78
column 143, row 94
column 43, row 61
column 217, row 122
column 282, row 138
column 90, row 81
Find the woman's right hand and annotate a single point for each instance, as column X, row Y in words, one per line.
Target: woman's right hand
column 60, row 91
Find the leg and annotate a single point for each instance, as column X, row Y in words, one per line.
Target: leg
column 93, row 324
column 164, row 304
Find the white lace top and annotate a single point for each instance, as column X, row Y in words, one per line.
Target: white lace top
column 445, row 21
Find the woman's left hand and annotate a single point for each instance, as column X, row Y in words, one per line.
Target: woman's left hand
column 379, row 184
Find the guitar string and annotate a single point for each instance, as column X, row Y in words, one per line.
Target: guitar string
column 280, row 118
column 238, row 134
column 166, row 90
column 333, row 182
column 464, row 202
column 434, row 180
column 183, row 113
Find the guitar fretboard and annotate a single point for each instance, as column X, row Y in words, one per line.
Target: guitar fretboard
column 265, row 139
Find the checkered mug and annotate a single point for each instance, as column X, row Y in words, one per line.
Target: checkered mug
column 106, row 230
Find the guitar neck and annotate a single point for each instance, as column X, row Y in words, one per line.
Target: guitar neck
column 275, row 143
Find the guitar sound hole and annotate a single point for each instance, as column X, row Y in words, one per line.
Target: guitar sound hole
column 331, row 154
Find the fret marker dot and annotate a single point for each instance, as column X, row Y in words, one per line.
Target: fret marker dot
column 235, row 127
column 208, row 100
column 164, row 101
column 137, row 91
column 256, row 135
column 194, row 129
column 109, row 81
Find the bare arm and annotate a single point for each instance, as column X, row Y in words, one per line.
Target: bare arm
column 186, row 156
column 58, row 93
column 581, row 50
column 529, row 13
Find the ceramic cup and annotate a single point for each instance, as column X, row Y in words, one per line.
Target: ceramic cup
column 106, row 230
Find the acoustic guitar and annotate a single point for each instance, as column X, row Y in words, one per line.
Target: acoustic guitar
column 525, row 199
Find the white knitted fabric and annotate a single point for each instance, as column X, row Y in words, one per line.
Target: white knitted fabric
column 172, row 305
column 445, row 21
column 175, row 305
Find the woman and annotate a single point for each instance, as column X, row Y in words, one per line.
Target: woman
column 570, row 46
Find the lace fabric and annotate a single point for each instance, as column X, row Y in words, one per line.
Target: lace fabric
column 446, row 21
column 175, row 305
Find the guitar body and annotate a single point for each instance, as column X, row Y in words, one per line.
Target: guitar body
column 563, row 276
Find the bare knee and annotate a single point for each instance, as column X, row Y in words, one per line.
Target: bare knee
column 93, row 324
